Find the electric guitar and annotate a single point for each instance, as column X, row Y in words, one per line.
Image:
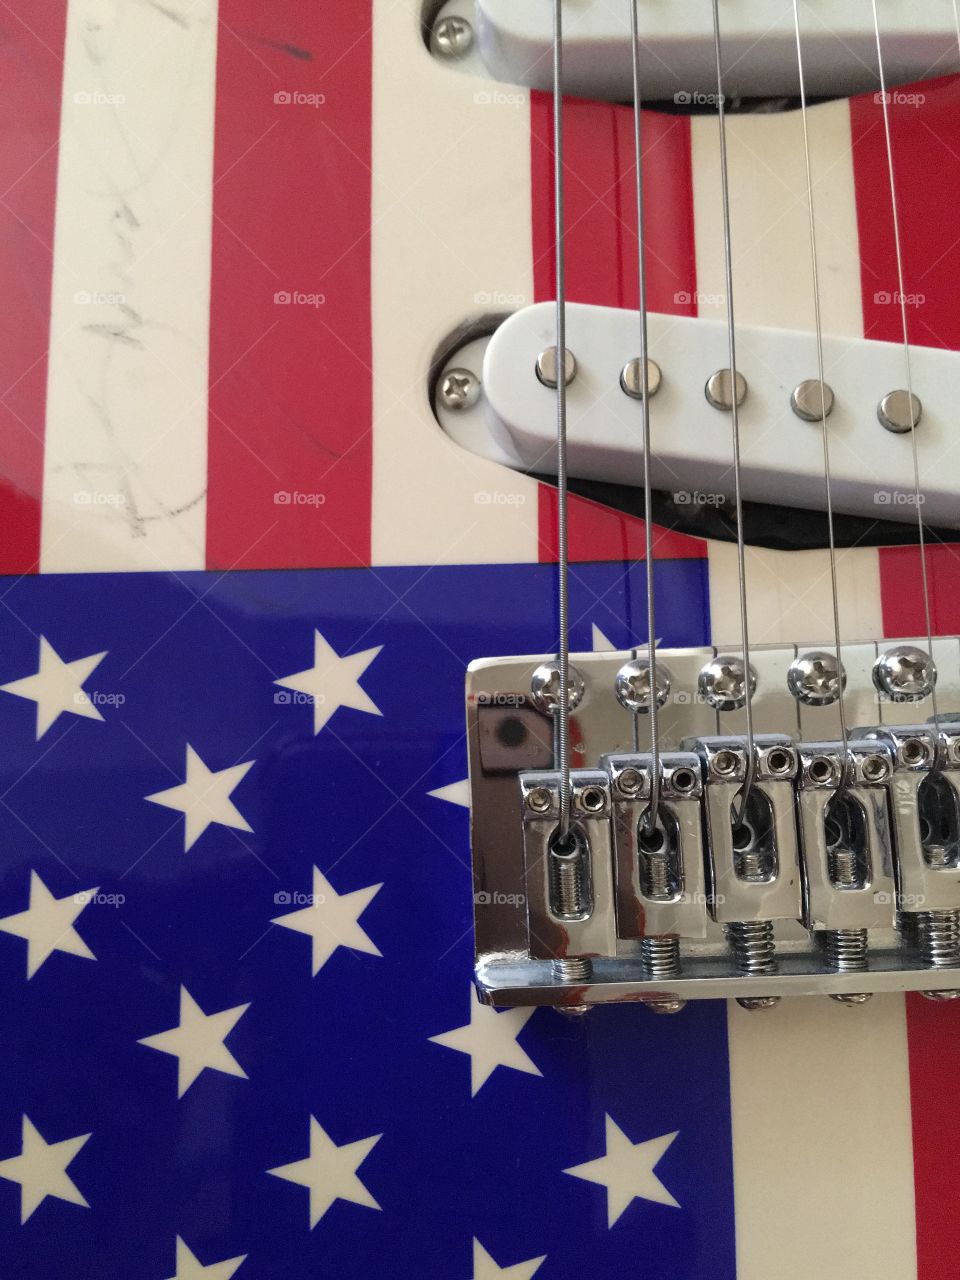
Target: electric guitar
column 603, row 357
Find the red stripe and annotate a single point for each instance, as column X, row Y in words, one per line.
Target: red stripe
column 31, row 76
column 601, row 264
column 926, row 143
column 291, row 384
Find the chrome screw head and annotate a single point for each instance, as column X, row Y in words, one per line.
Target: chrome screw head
column 545, row 687
column 539, row 799
column 875, row 768
column 722, row 682
column 459, row 389
column 899, row 411
column 905, row 673
column 665, row 1006
column 807, row 402
column 719, row 391
column 631, row 380
column 816, row 678
column 452, row 37
column 630, row 782
column 547, row 367
column 632, row 685
column 755, row 1003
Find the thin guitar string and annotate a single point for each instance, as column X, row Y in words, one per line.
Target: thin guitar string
column 562, row 726
column 653, row 810
column 921, row 538
column 744, row 794
column 825, row 435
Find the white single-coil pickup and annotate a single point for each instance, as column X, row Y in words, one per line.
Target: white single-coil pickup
column 677, row 59
column 691, row 450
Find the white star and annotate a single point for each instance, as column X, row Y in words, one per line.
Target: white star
column 332, row 920
column 198, row 1041
column 204, row 797
column 190, row 1268
column 484, row 1267
column 600, row 642
column 627, row 1171
column 490, row 1039
column 333, row 682
column 57, row 687
column 41, row 1170
column 330, row 1172
column 454, row 793
column 47, row 924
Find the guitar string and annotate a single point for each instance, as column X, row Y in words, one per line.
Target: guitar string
column 744, row 794
column 824, row 433
column 653, row 810
column 921, row 537
column 562, row 726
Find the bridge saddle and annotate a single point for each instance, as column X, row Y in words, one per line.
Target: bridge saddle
column 838, row 875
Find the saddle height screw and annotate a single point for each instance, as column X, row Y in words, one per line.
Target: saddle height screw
column 452, row 37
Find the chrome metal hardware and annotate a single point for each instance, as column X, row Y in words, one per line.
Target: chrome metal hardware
column 846, row 882
column 754, row 875
column 569, row 887
column 845, row 832
column 925, row 801
column 661, row 888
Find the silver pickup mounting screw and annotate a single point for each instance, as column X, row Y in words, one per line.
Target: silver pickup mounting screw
column 452, row 37
column 459, row 389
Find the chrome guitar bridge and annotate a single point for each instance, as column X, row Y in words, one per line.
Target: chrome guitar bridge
column 838, row 875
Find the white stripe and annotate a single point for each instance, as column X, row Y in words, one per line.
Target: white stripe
column 820, row 1095
column 126, row 423
column 451, row 241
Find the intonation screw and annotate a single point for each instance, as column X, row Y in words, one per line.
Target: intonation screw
column 459, row 389
column 660, row 955
column 754, row 951
column 452, row 37
column 566, row 866
column 846, row 949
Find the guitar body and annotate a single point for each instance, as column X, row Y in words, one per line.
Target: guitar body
column 245, row 571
